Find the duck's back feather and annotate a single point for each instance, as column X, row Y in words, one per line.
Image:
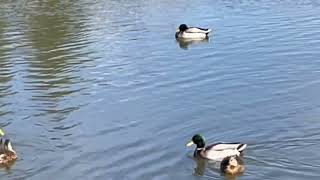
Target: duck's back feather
column 191, row 35
column 197, row 30
column 219, row 155
column 224, row 146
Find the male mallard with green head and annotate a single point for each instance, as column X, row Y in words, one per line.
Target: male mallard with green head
column 217, row 151
column 186, row 32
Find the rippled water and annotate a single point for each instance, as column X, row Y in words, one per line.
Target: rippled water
column 102, row 90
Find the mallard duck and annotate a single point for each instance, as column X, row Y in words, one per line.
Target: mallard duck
column 192, row 32
column 7, row 154
column 217, row 151
column 232, row 165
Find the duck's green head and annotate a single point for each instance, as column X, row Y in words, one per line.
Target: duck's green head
column 183, row 27
column 197, row 140
column 1, row 132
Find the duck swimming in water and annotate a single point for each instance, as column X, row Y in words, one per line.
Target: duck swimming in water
column 186, row 32
column 7, row 154
column 232, row 165
column 217, row 151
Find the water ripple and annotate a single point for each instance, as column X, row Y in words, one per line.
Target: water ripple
column 96, row 90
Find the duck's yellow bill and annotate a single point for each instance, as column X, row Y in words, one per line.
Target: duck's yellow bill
column 190, row 144
column 1, row 132
column 178, row 30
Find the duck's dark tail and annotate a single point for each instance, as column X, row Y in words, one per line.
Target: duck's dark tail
column 241, row 147
column 5, row 145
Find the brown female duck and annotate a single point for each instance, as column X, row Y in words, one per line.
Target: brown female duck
column 7, row 154
column 232, row 165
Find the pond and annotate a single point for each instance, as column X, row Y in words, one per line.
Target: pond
column 102, row 89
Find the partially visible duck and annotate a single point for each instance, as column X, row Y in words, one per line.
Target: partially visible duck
column 232, row 165
column 192, row 32
column 1, row 132
column 7, row 154
column 217, row 151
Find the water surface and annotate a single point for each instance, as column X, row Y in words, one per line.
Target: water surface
column 102, row 90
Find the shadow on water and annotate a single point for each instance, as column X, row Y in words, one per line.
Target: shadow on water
column 5, row 74
column 46, row 44
column 52, row 74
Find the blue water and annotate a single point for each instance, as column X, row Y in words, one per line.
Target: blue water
column 102, row 90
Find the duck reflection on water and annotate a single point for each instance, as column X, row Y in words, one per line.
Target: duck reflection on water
column 217, row 167
column 186, row 43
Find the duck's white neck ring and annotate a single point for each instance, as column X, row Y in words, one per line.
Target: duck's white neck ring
column 198, row 149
